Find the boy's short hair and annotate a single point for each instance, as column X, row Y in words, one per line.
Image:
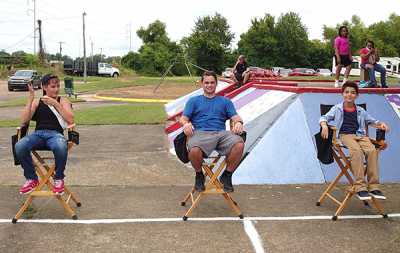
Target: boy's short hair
column 209, row 73
column 350, row 84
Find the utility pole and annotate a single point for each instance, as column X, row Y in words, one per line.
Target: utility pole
column 34, row 27
column 91, row 49
column 41, row 51
column 101, row 53
column 61, row 42
column 84, row 49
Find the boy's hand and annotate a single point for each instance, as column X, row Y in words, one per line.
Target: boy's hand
column 324, row 132
column 383, row 126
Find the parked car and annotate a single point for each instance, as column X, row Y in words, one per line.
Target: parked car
column 228, row 73
column 324, row 72
column 21, row 78
column 277, row 70
column 284, row 72
column 257, row 72
column 303, row 72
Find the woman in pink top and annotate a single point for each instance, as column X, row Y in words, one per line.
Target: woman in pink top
column 342, row 54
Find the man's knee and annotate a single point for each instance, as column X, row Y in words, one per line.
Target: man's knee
column 195, row 153
column 238, row 148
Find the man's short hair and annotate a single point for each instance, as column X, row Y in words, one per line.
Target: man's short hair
column 350, row 84
column 209, row 73
column 46, row 78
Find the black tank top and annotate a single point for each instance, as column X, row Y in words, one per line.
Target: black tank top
column 45, row 118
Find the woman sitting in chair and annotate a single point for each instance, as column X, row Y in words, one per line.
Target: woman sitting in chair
column 52, row 114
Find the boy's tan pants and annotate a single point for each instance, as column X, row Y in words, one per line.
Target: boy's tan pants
column 360, row 147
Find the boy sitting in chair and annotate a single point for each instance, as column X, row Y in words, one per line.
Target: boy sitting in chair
column 203, row 122
column 349, row 120
column 52, row 115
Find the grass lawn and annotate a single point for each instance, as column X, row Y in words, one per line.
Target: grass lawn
column 22, row 101
column 134, row 113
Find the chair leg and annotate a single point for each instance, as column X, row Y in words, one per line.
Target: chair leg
column 378, row 206
column 73, row 197
column 67, row 208
column 187, row 197
column 233, row 205
column 329, row 188
column 26, row 204
column 343, row 205
column 193, row 206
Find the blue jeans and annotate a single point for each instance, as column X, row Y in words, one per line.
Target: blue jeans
column 42, row 140
column 371, row 73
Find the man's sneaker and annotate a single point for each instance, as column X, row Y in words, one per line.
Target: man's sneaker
column 227, row 182
column 199, row 182
column 384, row 86
column 29, row 186
column 363, row 195
column 58, row 187
column 377, row 194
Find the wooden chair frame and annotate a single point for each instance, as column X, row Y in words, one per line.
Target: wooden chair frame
column 212, row 186
column 344, row 164
column 46, row 173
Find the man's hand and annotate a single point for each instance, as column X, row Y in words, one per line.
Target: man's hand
column 383, row 126
column 49, row 101
column 237, row 127
column 324, row 132
column 188, row 129
column 31, row 91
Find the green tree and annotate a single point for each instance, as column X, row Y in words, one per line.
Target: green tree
column 259, row 43
column 208, row 46
column 319, row 54
column 292, row 38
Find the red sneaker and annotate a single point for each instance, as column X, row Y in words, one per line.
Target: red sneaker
column 29, row 186
column 58, row 187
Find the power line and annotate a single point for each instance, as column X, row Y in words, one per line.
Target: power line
column 19, row 42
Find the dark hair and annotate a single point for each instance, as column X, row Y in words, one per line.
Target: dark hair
column 209, row 73
column 46, row 79
column 370, row 41
column 340, row 29
column 350, row 84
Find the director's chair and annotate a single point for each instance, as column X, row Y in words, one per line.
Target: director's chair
column 344, row 164
column 46, row 173
column 212, row 167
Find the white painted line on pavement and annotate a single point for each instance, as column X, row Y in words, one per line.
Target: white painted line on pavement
column 253, row 236
column 144, row 220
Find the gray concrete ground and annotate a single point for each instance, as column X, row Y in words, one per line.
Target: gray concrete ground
column 122, row 172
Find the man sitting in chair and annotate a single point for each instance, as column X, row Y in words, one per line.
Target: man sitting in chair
column 349, row 120
column 203, row 122
column 52, row 115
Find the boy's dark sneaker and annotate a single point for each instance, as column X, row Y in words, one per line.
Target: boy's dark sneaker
column 199, row 182
column 385, row 86
column 377, row 194
column 226, row 180
column 363, row 195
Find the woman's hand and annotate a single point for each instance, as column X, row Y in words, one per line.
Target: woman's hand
column 31, row 91
column 49, row 101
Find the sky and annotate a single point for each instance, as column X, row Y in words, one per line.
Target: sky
column 108, row 23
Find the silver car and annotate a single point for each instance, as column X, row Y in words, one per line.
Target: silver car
column 21, row 78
